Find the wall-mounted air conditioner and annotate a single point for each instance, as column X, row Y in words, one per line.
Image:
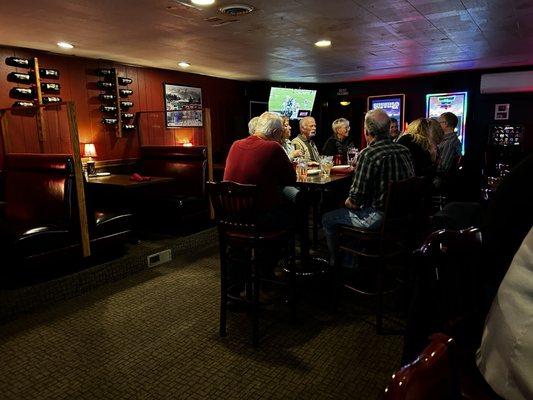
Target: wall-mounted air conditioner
column 507, row 82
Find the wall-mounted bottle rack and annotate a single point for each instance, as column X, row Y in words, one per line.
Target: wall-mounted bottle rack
column 114, row 103
column 35, row 92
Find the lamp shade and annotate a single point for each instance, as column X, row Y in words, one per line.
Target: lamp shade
column 89, row 150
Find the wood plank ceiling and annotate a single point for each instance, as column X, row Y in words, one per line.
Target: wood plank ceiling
column 371, row 39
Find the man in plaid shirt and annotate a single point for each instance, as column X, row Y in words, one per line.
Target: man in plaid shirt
column 381, row 162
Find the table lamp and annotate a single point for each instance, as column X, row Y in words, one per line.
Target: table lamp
column 90, row 151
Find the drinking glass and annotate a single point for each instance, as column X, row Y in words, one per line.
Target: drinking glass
column 301, row 169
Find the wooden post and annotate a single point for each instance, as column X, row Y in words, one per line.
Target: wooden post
column 5, row 135
column 209, row 142
column 78, row 176
column 41, row 127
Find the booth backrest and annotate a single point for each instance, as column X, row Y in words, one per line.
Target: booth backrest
column 187, row 165
column 37, row 189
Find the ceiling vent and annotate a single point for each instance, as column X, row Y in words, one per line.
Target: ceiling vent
column 235, row 10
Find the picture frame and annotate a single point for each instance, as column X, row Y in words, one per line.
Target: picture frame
column 501, row 112
column 183, row 106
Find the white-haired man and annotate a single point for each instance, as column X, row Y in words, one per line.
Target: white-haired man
column 259, row 159
column 304, row 141
column 381, row 162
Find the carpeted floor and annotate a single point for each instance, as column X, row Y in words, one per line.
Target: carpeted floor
column 154, row 335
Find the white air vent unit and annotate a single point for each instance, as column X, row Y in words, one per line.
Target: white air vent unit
column 507, row 82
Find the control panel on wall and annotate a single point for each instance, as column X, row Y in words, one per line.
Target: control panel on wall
column 115, row 106
column 32, row 87
column 504, row 135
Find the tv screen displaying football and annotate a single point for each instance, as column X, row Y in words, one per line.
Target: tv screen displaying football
column 292, row 103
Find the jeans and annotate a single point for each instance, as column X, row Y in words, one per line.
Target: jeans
column 367, row 218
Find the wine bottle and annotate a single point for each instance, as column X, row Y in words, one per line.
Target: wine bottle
column 105, row 85
column 19, row 77
column 105, row 72
column 124, row 81
column 128, row 127
column 109, row 121
column 19, row 62
column 107, row 97
column 51, row 99
column 49, row 73
column 50, row 87
column 125, row 92
column 22, row 93
column 126, row 104
column 127, row 115
column 23, row 104
column 108, row 109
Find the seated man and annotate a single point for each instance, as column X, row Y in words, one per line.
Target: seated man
column 304, row 141
column 259, row 159
column 379, row 163
column 449, row 149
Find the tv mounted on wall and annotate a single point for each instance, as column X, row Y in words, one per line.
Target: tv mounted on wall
column 292, row 103
column 392, row 104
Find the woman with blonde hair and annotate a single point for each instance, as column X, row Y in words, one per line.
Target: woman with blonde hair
column 416, row 139
column 286, row 143
column 435, row 135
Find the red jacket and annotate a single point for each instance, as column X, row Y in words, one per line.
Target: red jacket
column 261, row 162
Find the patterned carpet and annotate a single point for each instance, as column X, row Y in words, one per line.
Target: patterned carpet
column 154, row 335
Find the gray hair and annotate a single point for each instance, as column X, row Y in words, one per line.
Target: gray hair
column 338, row 123
column 377, row 123
column 303, row 120
column 267, row 123
column 252, row 124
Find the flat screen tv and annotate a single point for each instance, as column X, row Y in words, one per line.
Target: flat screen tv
column 456, row 102
column 292, row 103
column 392, row 104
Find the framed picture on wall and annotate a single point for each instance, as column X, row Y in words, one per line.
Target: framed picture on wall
column 183, row 105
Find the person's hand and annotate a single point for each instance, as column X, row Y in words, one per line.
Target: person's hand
column 349, row 203
column 296, row 153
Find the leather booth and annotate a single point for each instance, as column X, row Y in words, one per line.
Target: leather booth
column 186, row 200
column 39, row 218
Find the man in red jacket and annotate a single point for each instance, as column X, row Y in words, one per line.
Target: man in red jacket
column 259, row 159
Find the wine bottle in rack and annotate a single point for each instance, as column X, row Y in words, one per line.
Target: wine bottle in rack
column 107, row 97
column 128, row 127
column 126, row 104
column 23, row 104
column 108, row 109
column 22, row 93
column 127, row 115
column 19, row 77
column 105, row 85
column 124, row 81
column 109, row 121
column 105, row 72
column 50, row 87
column 125, row 92
column 19, row 62
column 51, row 99
column 47, row 73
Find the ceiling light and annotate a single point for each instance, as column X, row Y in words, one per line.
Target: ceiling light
column 202, row 2
column 184, row 64
column 323, row 43
column 345, row 103
column 65, row 45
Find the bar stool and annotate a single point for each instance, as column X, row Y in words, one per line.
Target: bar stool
column 236, row 215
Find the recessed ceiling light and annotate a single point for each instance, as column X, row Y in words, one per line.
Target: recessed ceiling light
column 323, row 43
column 345, row 103
column 202, row 2
column 65, row 45
column 184, row 64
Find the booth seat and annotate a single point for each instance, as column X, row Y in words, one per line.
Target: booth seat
column 39, row 217
column 186, row 199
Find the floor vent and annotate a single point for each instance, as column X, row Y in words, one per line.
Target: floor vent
column 159, row 258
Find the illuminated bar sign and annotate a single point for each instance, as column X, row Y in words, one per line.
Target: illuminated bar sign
column 456, row 103
column 392, row 104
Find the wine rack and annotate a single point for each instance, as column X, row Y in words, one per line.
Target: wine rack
column 35, row 91
column 115, row 106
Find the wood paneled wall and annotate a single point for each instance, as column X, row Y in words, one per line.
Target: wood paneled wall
column 224, row 97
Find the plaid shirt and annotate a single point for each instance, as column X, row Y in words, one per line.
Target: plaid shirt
column 449, row 150
column 381, row 162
